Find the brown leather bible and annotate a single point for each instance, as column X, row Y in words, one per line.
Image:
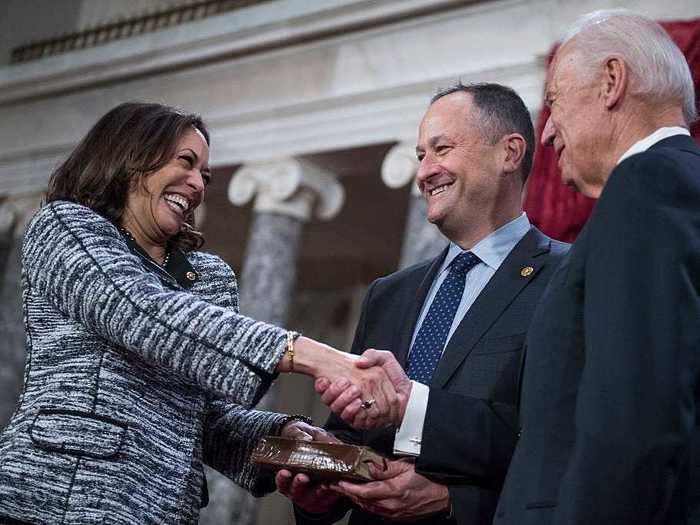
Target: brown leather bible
column 321, row 461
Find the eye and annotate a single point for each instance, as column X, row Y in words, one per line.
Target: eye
column 442, row 149
column 420, row 156
column 206, row 177
column 188, row 160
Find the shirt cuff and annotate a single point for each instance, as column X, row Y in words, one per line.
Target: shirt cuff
column 408, row 437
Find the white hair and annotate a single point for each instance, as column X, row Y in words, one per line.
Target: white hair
column 657, row 65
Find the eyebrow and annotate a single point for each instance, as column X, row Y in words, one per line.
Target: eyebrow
column 196, row 157
column 432, row 141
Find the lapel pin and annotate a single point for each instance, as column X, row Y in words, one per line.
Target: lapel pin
column 527, row 271
column 191, row 276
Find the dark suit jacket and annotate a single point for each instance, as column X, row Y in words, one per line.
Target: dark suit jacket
column 610, row 384
column 473, row 391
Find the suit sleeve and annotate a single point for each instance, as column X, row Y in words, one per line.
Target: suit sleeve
column 79, row 263
column 478, row 450
column 635, row 406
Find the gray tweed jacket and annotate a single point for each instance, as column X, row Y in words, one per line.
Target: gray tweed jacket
column 131, row 381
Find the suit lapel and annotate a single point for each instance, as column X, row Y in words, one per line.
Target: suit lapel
column 498, row 293
column 415, row 297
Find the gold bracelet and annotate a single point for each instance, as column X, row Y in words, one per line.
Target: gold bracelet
column 290, row 350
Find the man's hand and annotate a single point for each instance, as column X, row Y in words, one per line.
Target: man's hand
column 389, row 410
column 365, row 387
column 398, row 493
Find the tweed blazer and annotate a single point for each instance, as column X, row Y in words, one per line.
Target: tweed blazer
column 131, row 381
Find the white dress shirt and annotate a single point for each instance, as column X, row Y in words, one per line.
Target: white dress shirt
column 647, row 142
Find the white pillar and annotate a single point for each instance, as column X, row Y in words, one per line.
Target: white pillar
column 286, row 193
column 421, row 239
column 15, row 214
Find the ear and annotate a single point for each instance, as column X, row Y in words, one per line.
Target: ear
column 615, row 79
column 514, row 146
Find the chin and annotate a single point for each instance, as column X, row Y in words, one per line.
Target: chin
column 169, row 230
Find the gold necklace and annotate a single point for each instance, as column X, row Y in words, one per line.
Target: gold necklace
column 128, row 234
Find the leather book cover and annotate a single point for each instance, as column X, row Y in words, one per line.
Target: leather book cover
column 321, row 461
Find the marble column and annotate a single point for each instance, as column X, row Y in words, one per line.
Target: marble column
column 286, row 194
column 15, row 214
column 421, row 239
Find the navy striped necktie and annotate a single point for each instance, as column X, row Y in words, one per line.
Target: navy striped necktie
column 432, row 336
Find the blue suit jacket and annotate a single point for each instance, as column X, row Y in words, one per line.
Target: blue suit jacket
column 475, row 382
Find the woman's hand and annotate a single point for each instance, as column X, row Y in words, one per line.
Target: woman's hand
column 337, row 396
column 369, row 398
column 311, row 496
column 297, row 429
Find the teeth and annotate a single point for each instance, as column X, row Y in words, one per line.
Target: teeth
column 179, row 201
column 438, row 190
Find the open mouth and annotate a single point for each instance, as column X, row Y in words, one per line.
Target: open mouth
column 176, row 202
column 438, row 190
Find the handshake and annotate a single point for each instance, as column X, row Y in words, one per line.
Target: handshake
column 367, row 392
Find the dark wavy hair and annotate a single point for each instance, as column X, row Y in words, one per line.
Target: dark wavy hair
column 130, row 142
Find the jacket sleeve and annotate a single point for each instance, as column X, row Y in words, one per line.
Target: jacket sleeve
column 231, row 433
column 78, row 262
column 478, row 450
column 635, row 408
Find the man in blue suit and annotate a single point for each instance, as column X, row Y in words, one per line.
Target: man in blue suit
column 610, row 387
column 456, row 324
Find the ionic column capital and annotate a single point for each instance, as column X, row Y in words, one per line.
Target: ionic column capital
column 400, row 166
column 290, row 186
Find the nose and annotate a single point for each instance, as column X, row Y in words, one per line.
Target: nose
column 196, row 181
column 548, row 132
column 427, row 167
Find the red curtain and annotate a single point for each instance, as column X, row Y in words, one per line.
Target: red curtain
column 555, row 209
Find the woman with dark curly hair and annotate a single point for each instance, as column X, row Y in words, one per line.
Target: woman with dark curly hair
column 140, row 368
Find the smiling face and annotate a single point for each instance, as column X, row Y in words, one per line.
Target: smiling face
column 159, row 204
column 578, row 126
column 460, row 171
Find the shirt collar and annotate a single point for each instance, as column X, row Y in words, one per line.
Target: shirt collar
column 648, row 141
column 495, row 247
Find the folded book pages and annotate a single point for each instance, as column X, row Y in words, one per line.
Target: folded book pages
column 321, row 461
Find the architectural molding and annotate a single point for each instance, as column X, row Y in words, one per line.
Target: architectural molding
column 294, row 187
column 143, row 23
column 307, row 77
column 244, row 31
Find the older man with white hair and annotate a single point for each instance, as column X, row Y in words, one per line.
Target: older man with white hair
column 609, row 424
